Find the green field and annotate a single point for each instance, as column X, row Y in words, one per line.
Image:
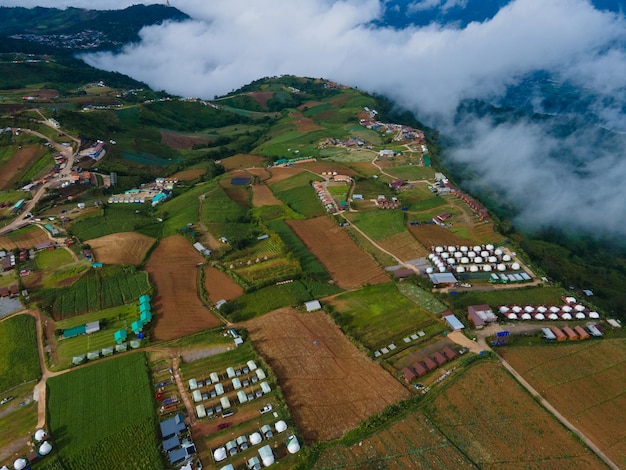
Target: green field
column 297, row 193
column 52, row 259
column 412, row 172
column 270, row 298
column 223, row 216
column 378, row 224
column 423, row 298
column 19, row 360
column 111, row 320
column 95, row 290
column 20, row 422
column 311, row 267
column 117, row 218
column 111, row 420
column 22, row 234
column 378, row 315
column 522, row 296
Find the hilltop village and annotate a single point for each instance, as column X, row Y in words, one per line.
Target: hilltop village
column 283, row 276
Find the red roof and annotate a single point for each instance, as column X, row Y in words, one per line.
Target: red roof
column 430, row 364
column 4, row 291
column 420, row 369
column 439, row 358
column 409, row 374
column 14, row 289
column 449, row 353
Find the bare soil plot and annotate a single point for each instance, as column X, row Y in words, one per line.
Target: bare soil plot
column 586, row 382
column 24, row 238
column 178, row 309
column 404, row 246
column 188, row 175
column 280, row 173
column 263, row 196
column 434, row 235
column 303, row 123
column 18, row 164
column 220, row 285
column 321, row 166
column 40, row 94
column 179, row 141
column 329, row 385
column 261, row 97
column 261, row 173
column 497, row 424
column 343, row 259
column 412, row 442
column 242, row 160
column 121, row 248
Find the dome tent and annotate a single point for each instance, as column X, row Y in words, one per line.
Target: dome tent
column 40, row 435
column 45, row 448
column 293, row 445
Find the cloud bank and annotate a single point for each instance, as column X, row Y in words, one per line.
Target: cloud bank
column 428, row 69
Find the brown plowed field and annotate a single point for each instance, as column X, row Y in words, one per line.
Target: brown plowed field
column 263, row 196
column 497, row 424
column 261, row 97
column 188, row 175
column 343, row 259
column 242, row 160
column 262, row 173
column 220, row 286
column 280, row 173
column 121, row 248
column 434, row 235
column 584, row 381
column 329, row 385
column 305, row 124
column 404, row 246
column 178, row 310
column 24, row 238
column 181, row 141
column 321, row 166
column 19, row 163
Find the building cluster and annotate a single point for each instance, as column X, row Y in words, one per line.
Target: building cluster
column 575, row 333
column 402, row 133
column 570, row 310
column 444, row 186
column 327, row 200
column 428, row 364
column 177, row 442
column 475, row 259
column 157, row 192
column 41, row 447
column 86, row 39
column 383, row 202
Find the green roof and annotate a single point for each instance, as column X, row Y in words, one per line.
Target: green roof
column 144, row 298
column 136, row 326
column 76, row 331
column 120, row 335
column 145, row 317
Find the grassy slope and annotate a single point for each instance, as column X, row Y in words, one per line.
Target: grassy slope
column 19, row 360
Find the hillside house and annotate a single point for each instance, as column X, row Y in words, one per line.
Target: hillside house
column 430, row 364
column 439, row 358
column 409, row 374
column 449, row 353
column 420, row 369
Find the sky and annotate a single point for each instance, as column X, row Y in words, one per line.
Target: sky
column 428, row 69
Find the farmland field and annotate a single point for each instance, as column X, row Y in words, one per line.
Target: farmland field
column 52, row 259
column 263, row 196
column 298, row 194
column 424, row 299
column 121, row 248
column 19, row 164
column 241, row 161
column 117, row 218
column 377, row 315
column 342, row 258
column 26, row 237
column 93, row 428
column 379, row 224
column 433, row 235
column 178, row 310
column 522, row 296
column 305, row 349
column 19, row 360
column 404, row 246
column 497, row 424
column 219, row 285
column 95, row 290
column 585, row 382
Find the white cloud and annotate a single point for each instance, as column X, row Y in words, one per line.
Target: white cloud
column 429, row 69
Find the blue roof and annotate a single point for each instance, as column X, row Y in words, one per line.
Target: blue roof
column 171, row 443
column 454, row 322
column 172, row 426
column 177, row 455
column 77, row 330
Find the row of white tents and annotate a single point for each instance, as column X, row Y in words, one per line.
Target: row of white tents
column 542, row 312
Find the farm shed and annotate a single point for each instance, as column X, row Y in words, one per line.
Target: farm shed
column 430, row 364
column 171, row 443
column 107, row 351
column 241, row 396
column 260, row 374
column 403, row 273
column 236, row 383
column 483, row 311
column 91, row 355
column 571, row 334
column 214, row 377
column 73, row 332
column 119, row 336
column 476, row 320
column 230, row 372
column 225, row 403
column 144, row 307
column 265, row 387
column 449, row 353
column 197, row 396
column 594, row 330
column 409, row 374
column 453, row 322
column 560, row 336
column 580, row 331
column 92, row 327
column 548, row 334
column 172, row 426
column 420, row 369
column 442, row 279
column 219, row 389
column 266, row 430
column 122, row 347
column 200, row 411
column 193, row 384
column 312, row 305
column 439, row 358
column 267, row 457
column 293, row 446
column 251, row 365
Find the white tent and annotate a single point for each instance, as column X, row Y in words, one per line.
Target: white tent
column 40, row 435
column 570, row 300
column 566, row 316
column 219, row 454
column 225, row 402
column 193, row 384
column 515, row 266
column 255, row 438
column 45, row 448
column 553, row 316
column 554, row 309
column 526, row 316
column 293, row 445
column 512, row 316
column 529, row 309
column 236, row 383
column 214, row 377
column 280, row 426
column 20, row 464
column 504, row 309
column 265, row 387
column 517, row 309
column 579, row 308
column 594, row 315
column 566, row 308
column 241, row 395
column 540, row 316
column 267, row 456
column 542, row 309
column 251, row 365
column 200, row 411
column 506, row 258
column 580, row 315
column 260, row 374
column 197, row 396
column 501, row 267
column 219, row 389
column 230, row 372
